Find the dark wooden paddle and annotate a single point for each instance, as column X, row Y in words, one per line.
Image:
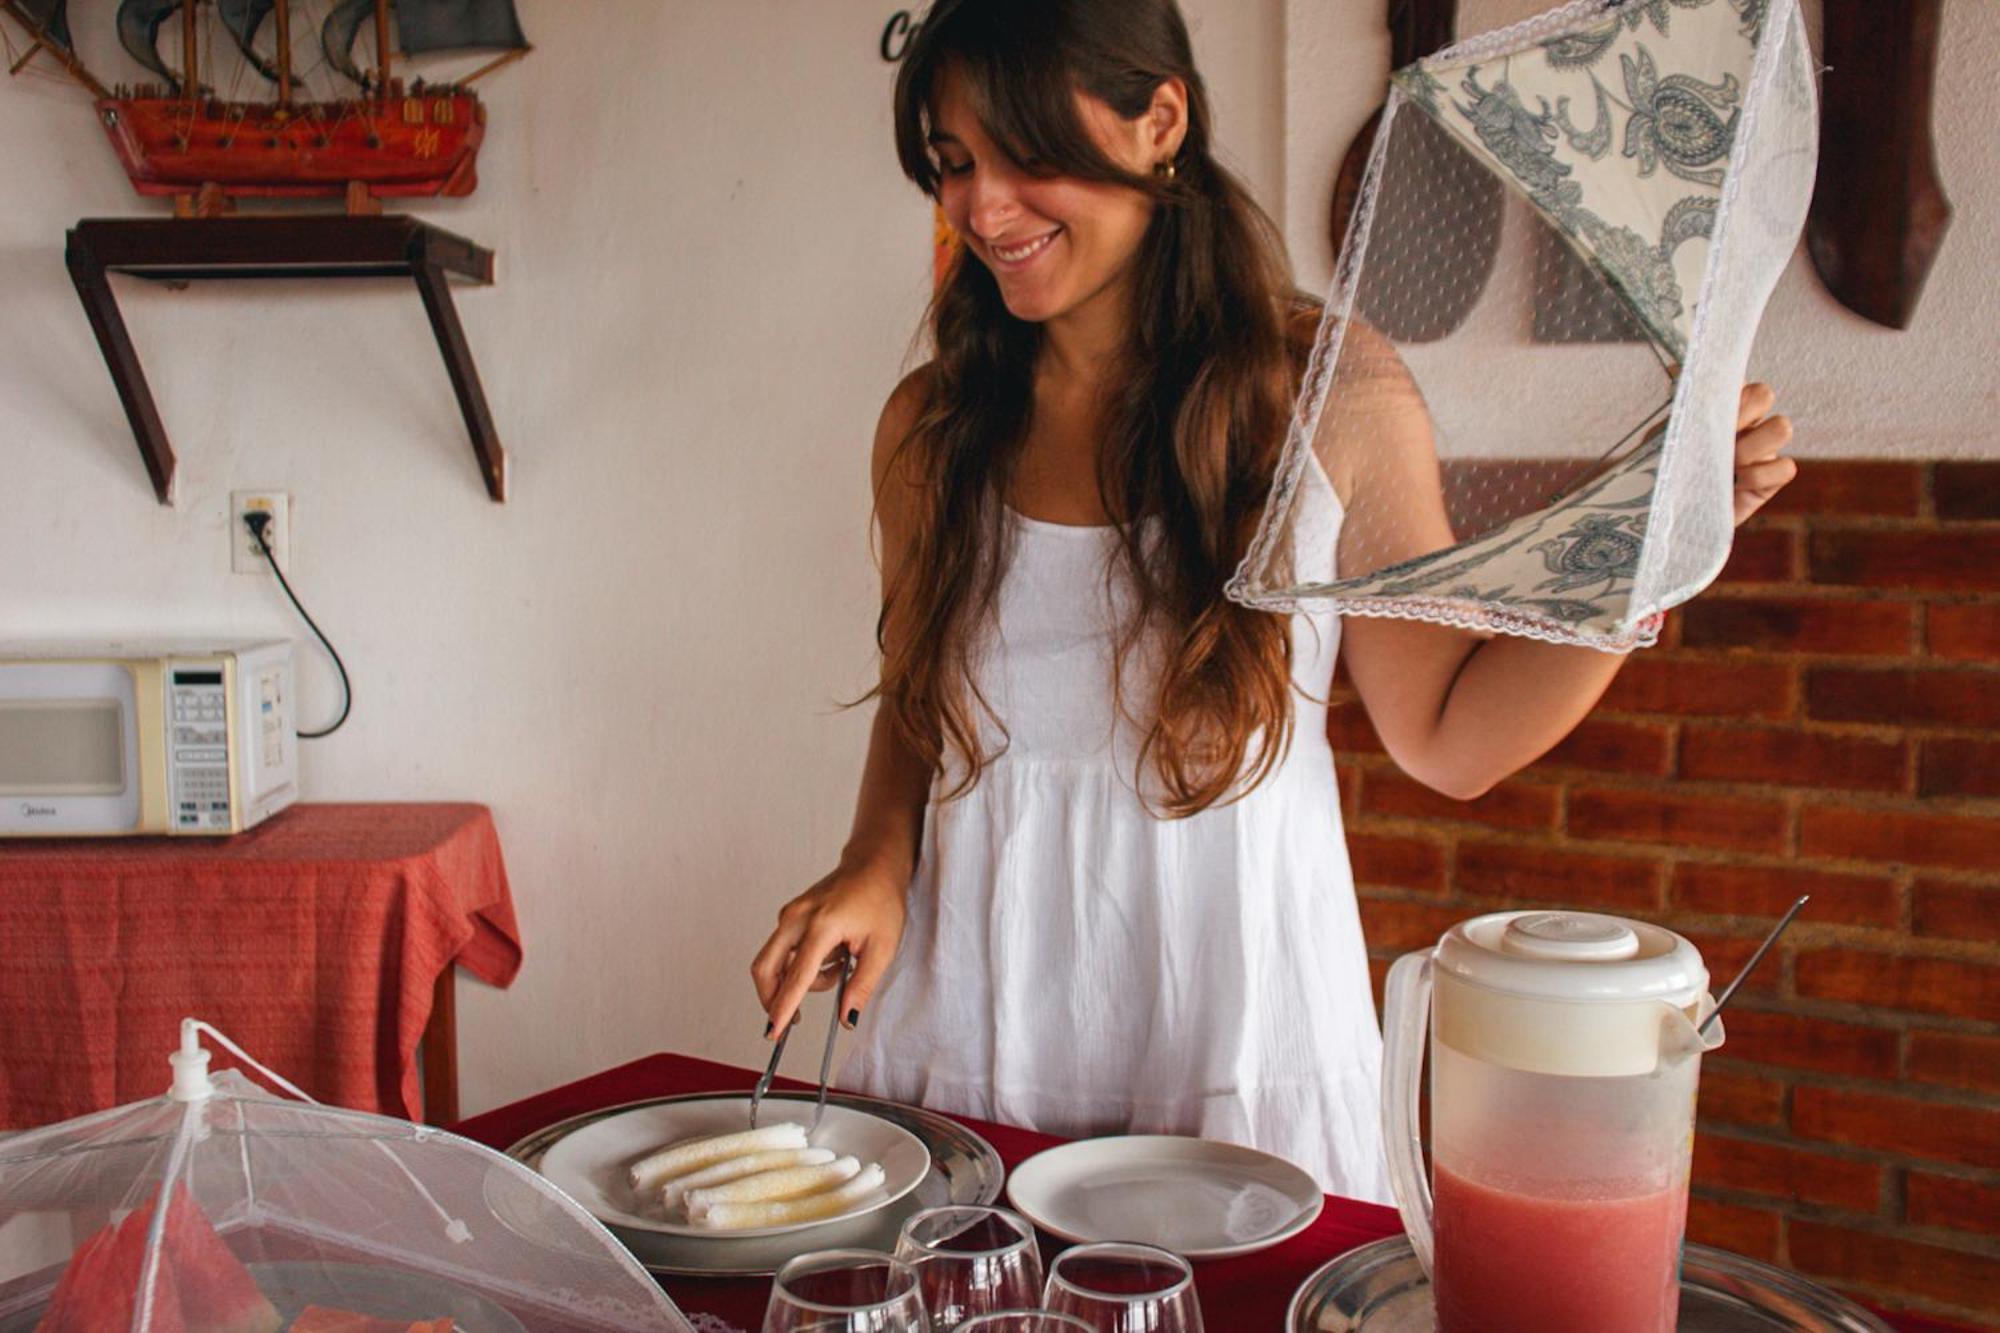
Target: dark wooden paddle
column 1459, row 206
column 1879, row 212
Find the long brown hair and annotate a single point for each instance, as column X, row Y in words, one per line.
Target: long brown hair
column 1189, row 434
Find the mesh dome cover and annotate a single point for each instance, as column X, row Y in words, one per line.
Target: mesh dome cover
column 274, row 1206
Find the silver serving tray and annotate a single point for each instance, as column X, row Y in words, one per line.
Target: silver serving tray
column 370, row 1289
column 964, row 1169
column 1381, row 1288
column 386, row 1293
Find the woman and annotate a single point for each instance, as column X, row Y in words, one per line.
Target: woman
column 1098, row 812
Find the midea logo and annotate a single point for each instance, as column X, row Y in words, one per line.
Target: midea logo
column 30, row 810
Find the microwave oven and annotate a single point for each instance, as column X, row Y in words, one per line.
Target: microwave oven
column 123, row 738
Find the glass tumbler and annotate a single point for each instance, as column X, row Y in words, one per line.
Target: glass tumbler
column 971, row 1260
column 845, row 1291
column 1023, row 1321
column 1124, row 1288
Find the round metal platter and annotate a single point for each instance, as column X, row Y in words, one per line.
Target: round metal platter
column 1382, row 1289
column 395, row 1294
column 964, row 1169
column 383, row 1292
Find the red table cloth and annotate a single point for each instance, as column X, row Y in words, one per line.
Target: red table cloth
column 314, row 940
column 1245, row 1295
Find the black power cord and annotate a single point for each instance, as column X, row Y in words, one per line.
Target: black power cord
column 257, row 522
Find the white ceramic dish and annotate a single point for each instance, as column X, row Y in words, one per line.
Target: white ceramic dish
column 591, row 1164
column 965, row 1169
column 1196, row 1197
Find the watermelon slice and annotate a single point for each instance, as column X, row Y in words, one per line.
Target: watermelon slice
column 322, row 1319
column 85, row 1273
column 99, row 1288
column 218, row 1295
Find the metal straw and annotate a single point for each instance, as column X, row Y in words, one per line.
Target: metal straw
column 1755, row 959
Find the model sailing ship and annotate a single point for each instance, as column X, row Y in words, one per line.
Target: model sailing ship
column 185, row 139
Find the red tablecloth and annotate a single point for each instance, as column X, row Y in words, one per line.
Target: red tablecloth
column 1246, row 1295
column 314, row 940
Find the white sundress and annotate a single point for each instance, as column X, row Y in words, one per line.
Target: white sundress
column 1073, row 964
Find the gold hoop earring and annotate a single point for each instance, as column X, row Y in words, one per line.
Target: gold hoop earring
column 1166, row 170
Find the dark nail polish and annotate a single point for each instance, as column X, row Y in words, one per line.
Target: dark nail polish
column 853, row 1017
column 768, row 1025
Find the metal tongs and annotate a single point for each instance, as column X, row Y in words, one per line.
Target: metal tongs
column 845, row 962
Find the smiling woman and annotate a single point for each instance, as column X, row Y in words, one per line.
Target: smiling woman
column 1128, row 902
column 1097, row 872
column 1113, row 349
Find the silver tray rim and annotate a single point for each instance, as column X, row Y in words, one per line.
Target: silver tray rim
column 1703, row 1257
column 497, row 1318
column 928, row 1125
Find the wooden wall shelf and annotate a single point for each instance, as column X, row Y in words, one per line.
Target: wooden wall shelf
column 181, row 250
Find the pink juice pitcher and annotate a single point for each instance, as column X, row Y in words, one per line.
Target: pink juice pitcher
column 1564, row 1052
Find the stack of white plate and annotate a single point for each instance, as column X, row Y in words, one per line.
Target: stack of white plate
column 926, row 1159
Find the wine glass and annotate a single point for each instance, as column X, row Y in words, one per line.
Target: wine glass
column 1123, row 1288
column 1023, row 1321
column 970, row 1260
column 845, row 1291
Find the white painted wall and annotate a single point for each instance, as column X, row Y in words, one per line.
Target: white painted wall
column 710, row 271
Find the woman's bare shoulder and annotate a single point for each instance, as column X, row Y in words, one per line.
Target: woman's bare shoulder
column 1366, row 352
column 1377, row 412
column 896, row 471
column 906, row 405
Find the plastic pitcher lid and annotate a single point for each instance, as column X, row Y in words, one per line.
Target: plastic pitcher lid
column 1581, row 956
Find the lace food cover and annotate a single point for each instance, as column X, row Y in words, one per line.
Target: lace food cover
column 1525, row 381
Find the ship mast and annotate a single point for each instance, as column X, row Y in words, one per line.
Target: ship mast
column 44, row 40
column 191, row 78
column 283, row 13
column 504, row 58
column 382, row 50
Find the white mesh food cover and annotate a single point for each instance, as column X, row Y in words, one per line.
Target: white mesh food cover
column 1525, row 381
column 289, row 1215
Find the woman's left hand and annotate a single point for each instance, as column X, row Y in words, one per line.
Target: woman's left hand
column 1760, row 472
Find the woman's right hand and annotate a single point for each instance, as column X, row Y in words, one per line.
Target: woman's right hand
column 858, row 906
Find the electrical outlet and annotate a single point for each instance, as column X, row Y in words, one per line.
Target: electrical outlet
column 245, row 557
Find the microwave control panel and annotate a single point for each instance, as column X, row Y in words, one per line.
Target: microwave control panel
column 198, row 749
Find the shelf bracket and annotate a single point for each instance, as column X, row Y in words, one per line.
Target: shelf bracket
column 181, row 250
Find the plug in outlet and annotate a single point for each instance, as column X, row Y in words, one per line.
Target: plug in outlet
column 245, row 557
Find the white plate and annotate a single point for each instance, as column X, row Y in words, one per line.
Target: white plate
column 1199, row 1198
column 591, row 1165
column 965, row 1169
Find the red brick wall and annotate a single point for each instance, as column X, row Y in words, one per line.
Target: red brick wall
column 1826, row 719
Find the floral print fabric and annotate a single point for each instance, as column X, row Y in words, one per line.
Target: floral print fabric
column 1619, row 133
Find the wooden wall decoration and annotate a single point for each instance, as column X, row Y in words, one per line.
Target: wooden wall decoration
column 1417, row 28
column 1879, row 212
column 205, row 137
column 1572, row 304
column 1466, row 243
